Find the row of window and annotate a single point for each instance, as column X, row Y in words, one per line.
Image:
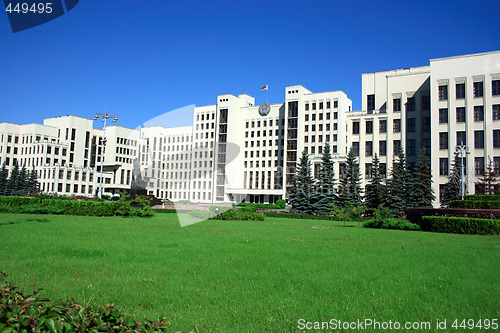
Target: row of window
column 479, row 165
column 411, row 125
column 320, row 116
column 259, row 164
column 477, row 88
column 258, row 123
column 462, row 139
column 205, row 116
column 461, row 114
column 320, row 127
column 320, row 105
column 411, row 147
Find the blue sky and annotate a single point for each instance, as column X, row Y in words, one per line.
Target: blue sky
column 140, row 59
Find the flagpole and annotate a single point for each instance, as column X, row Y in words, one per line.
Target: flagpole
column 267, row 94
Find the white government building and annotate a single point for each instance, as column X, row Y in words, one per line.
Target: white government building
column 233, row 152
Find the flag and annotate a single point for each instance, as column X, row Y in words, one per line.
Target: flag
column 266, row 87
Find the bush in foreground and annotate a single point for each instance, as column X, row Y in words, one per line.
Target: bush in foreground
column 461, row 225
column 391, row 223
column 30, row 313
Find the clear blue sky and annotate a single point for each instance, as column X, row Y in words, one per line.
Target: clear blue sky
column 140, row 59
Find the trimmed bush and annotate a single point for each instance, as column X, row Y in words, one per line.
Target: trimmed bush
column 461, row 225
column 390, row 223
column 230, row 215
column 482, row 197
column 475, row 204
column 258, row 205
column 281, row 204
column 300, row 216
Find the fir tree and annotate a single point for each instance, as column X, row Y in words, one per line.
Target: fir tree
column 21, row 180
column 489, row 182
column 375, row 191
column 398, row 184
column 350, row 191
column 422, row 194
column 32, row 184
column 4, row 174
column 324, row 194
column 11, row 187
column 453, row 186
column 300, row 193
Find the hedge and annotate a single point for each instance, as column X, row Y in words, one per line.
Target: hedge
column 475, row 204
column 70, row 207
column 461, row 225
column 229, row 215
column 482, row 197
column 299, row 216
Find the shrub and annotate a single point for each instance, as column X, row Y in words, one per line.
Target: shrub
column 281, row 204
column 258, row 205
column 26, row 313
column 294, row 215
column 482, row 197
column 240, row 216
column 391, row 223
column 461, row 225
column 475, row 204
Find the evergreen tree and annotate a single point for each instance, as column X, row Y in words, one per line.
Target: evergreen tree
column 324, row 194
column 21, row 180
column 32, row 184
column 11, row 187
column 350, row 191
column 422, row 194
column 453, row 186
column 489, row 182
column 375, row 191
column 4, row 174
column 300, row 193
column 398, row 184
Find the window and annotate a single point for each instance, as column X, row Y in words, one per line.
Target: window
column 396, row 104
column 321, row 105
column 443, row 93
column 496, row 112
column 307, row 117
column 307, row 107
column 396, row 146
column 397, row 125
column 426, row 124
column 328, row 104
column 368, row 170
column 479, row 139
column 355, row 127
column 383, row 126
column 314, row 106
column 368, row 148
column 355, row 148
column 461, row 138
column 495, row 87
column 335, row 104
column 478, row 89
column 382, row 148
column 443, row 140
column 443, row 166
column 426, row 102
column 314, row 116
column 496, row 138
column 460, row 90
column 410, row 104
column 479, row 113
column 369, row 127
column 443, row 116
column 411, row 147
column 370, row 103
column 461, row 115
column 426, row 143
column 479, row 166
column 411, row 125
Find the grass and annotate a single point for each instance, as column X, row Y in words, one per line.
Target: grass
column 253, row 276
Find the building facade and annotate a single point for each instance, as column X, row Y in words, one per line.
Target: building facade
column 235, row 152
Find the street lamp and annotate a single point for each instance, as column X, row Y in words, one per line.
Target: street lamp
column 104, row 117
column 463, row 149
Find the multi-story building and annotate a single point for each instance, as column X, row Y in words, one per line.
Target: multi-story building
column 233, row 151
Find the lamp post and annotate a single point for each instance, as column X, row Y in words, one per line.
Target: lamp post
column 463, row 149
column 104, row 117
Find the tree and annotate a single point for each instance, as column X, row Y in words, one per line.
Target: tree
column 32, row 185
column 350, row 191
column 422, row 194
column 398, row 184
column 488, row 184
column 4, row 174
column 453, row 186
column 21, row 180
column 11, row 186
column 375, row 191
column 300, row 193
column 324, row 194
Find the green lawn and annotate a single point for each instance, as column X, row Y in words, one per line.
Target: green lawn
column 253, row 276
